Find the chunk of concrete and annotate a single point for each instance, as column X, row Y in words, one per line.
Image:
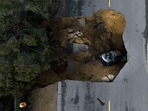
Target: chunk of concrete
column 75, row 47
column 82, row 22
column 108, row 78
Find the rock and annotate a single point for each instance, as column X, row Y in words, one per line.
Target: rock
column 108, row 78
column 71, row 35
column 76, row 48
column 101, row 27
column 70, row 30
column 82, row 21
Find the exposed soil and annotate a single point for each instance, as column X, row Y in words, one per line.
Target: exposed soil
column 97, row 34
column 45, row 99
column 102, row 32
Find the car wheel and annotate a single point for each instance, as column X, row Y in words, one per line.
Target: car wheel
column 107, row 64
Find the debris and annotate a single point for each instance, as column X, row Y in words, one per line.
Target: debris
column 108, row 78
column 101, row 27
column 70, row 30
column 75, row 34
column 71, row 35
column 102, row 103
column 79, row 38
column 75, row 47
column 82, row 21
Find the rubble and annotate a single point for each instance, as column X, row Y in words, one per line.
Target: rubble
column 76, row 48
column 81, row 40
column 108, row 78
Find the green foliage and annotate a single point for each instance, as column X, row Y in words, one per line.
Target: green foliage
column 24, row 53
column 46, row 8
column 24, row 48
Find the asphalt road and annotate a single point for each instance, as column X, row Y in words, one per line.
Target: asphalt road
column 129, row 91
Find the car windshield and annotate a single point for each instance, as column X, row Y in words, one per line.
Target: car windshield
column 110, row 55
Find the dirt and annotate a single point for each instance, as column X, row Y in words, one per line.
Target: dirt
column 101, row 33
column 98, row 34
column 45, row 99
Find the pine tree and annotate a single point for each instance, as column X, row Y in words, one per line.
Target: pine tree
column 24, row 48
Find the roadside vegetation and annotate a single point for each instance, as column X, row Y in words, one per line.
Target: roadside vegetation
column 24, row 48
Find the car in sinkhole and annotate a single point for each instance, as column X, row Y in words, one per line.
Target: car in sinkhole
column 111, row 57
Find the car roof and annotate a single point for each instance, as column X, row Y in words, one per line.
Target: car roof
column 116, row 52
